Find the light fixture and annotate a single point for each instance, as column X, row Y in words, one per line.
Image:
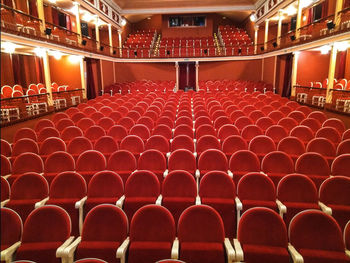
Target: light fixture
column 8, row 47
column 123, row 22
column 52, row 1
column 304, row 18
column 253, row 17
column 74, row 59
column 290, row 10
column 224, row 17
column 149, row 18
column 87, row 17
column 56, row 54
column 341, row 46
column 40, row 52
column 306, row 3
column 325, row 49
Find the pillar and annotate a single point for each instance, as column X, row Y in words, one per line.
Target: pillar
column 294, row 73
column 298, row 24
column 177, row 76
column 337, row 15
column 41, row 15
column 47, row 77
column 256, row 31
column 120, row 42
column 77, row 18
column 110, row 38
column 197, row 74
column 97, row 32
column 266, row 33
column 279, row 28
column 331, row 71
column 82, row 77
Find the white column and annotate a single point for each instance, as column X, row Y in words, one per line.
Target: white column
column 256, row 28
column 266, row 34
column 197, row 73
column 294, row 73
column 110, row 38
column 331, row 72
column 83, row 77
column 97, row 32
column 177, row 75
column 77, row 18
column 298, row 24
column 279, row 28
column 120, row 41
column 47, row 76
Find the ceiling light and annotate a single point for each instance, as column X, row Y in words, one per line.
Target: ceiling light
column 306, row 3
column 290, row 10
column 40, row 52
column 74, row 58
column 52, row 1
column 8, row 47
column 56, row 54
column 149, row 18
column 87, row 17
column 325, row 49
column 253, row 17
column 341, row 46
column 224, row 17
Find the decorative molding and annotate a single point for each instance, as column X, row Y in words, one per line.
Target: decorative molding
column 266, row 8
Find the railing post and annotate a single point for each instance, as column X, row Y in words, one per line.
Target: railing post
column 331, row 72
column 41, row 15
column 110, row 39
column 279, row 28
column 77, row 18
column 82, row 76
column 298, row 24
column 197, row 73
column 177, row 75
column 120, row 42
column 97, row 33
column 337, row 14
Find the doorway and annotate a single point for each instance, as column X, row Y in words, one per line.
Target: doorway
column 187, row 76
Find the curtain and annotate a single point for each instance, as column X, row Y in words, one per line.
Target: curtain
column 310, row 16
column 325, row 8
column 55, row 20
column 340, row 70
column 287, row 83
column 39, row 70
column 69, row 23
column 19, row 70
column 90, row 84
column 62, row 21
column 8, row 3
column 33, row 8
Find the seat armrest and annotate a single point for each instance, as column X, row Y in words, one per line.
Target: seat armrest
column 7, row 254
column 239, row 250
column 325, row 208
column 230, row 173
column 239, row 205
column 195, row 155
column 80, row 205
column 230, row 252
column 168, row 155
column 120, row 201
column 6, row 176
column 198, row 173
column 166, row 172
column 3, row 203
column 194, row 140
column 347, row 252
column 159, row 200
column 41, row 203
column 281, row 207
column 121, row 251
column 198, row 200
column 60, row 251
column 264, row 173
column 297, row 258
column 175, row 249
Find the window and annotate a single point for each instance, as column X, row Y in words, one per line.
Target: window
column 187, row 21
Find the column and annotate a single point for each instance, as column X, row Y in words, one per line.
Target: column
column 256, row 31
column 337, row 17
column 266, row 33
column 97, row 32
column 298, row 25
column 83, row 77
column 110, row 38
column 279, row 28
column 77, row 18
column 197, row 73
column 294, row 73
column 41, row 15
column 331, row 71
column 47, row 77
column 177, row 75
column 120, row 42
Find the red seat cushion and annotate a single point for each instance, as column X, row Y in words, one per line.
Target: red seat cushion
column 254, row 253
column 323, row 256
column 176, row 205
column 39, row 252
column 197, row 252
column 341, row 214
column 98, row 249
column 22, row 207
column 148, row 252
column 258, row 203
column 294, row 208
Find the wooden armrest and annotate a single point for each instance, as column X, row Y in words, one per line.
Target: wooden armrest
column 120, row 201
column 6, row 255
column 239, row 205
column 347, row 252
column 60, row 250
column 325, row 208
column 41, row 203
column 166, row 172
column 230, row 173
column 6, row 176
column 159, row 200
column 121, row 251
column 281, row 207
column 297, row 258
column 175, row 249
column 230, row 252
column 3, row 203
column 198, row 200
column 168, row 154
column 80, row 205
column 198, row 173
column 195, row 155
column 239, row 250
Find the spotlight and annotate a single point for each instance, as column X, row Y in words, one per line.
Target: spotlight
column 292, row 38
column 123, row 22
column 168, row 52
column 239, row 51
column 253, row 17
column 48, row 31
column 262, row 48
column 101, row 48
column 205, row 51
column 83, row 42
column 135, row 53
column 114, row 52
column 330, row 25
column 274, row 44
column 8, row 47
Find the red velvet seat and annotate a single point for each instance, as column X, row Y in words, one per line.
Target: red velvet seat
column 63, row 123
column 77, row 116
column 287, row 123
column 340, row 165
column 276, row 133
column 56, row 163
column 317, row 237
column 242, row 122
column 315, row 166
column 334, row 193
column 207, row 142
column 226, row 131
column 293, row 146
column 141, row 131
column 184, row 120
column 154, row 161
column 5, row 189
column 24, row 133
column 343, row 147
column 251, row 131
column 24, row 145
column 335, row 123
column 94, row 132
column 318, row 115
column 78, row 145
column 152, row 232
column 262, row 235
column 184, row 130
column 46, row 229
column 212, row 159
column 59, row 116
column 70, row 133
column 11, row 231
column 106, row 123
column 43, row 123
column 182, row 159
column 256, row 190
column 147, row 120
column 26, row 162
column 276, row 165
column 182, row 142
column 133, row 144
column 276, row 115
column 123, row 163
column 298, row 116
column 313, row 124
column 165, row 120
column 51, row 145
column 297, row 192
column 85, row 123
column 104, row 230
column 163, row 130
column 347, row 238
column 141, row 188
column 105, row 187
column 304, row 133
column 329, row 133
column 217, row 190
column 221, row 121
column 6, row 167
column 201, row 121
column 118, row 132
column 201, row 235
column 6, row 148
column 205, row 129
column 262, row 145
column 106, row 145
column 48, row 132
column 179, row 191
column 89, row 163
column 324, row 147
column 66, row 189
column 158, row 142
column 264, row 123
column 243, row 162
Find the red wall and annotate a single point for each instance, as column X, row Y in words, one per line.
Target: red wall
column 269, row 70
column 107, row 73
column 6, row 70
column 155, row 22
column 244, row 70
column 63, row 72
column 138, row 71
column 280, row 73
column 312, row 66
